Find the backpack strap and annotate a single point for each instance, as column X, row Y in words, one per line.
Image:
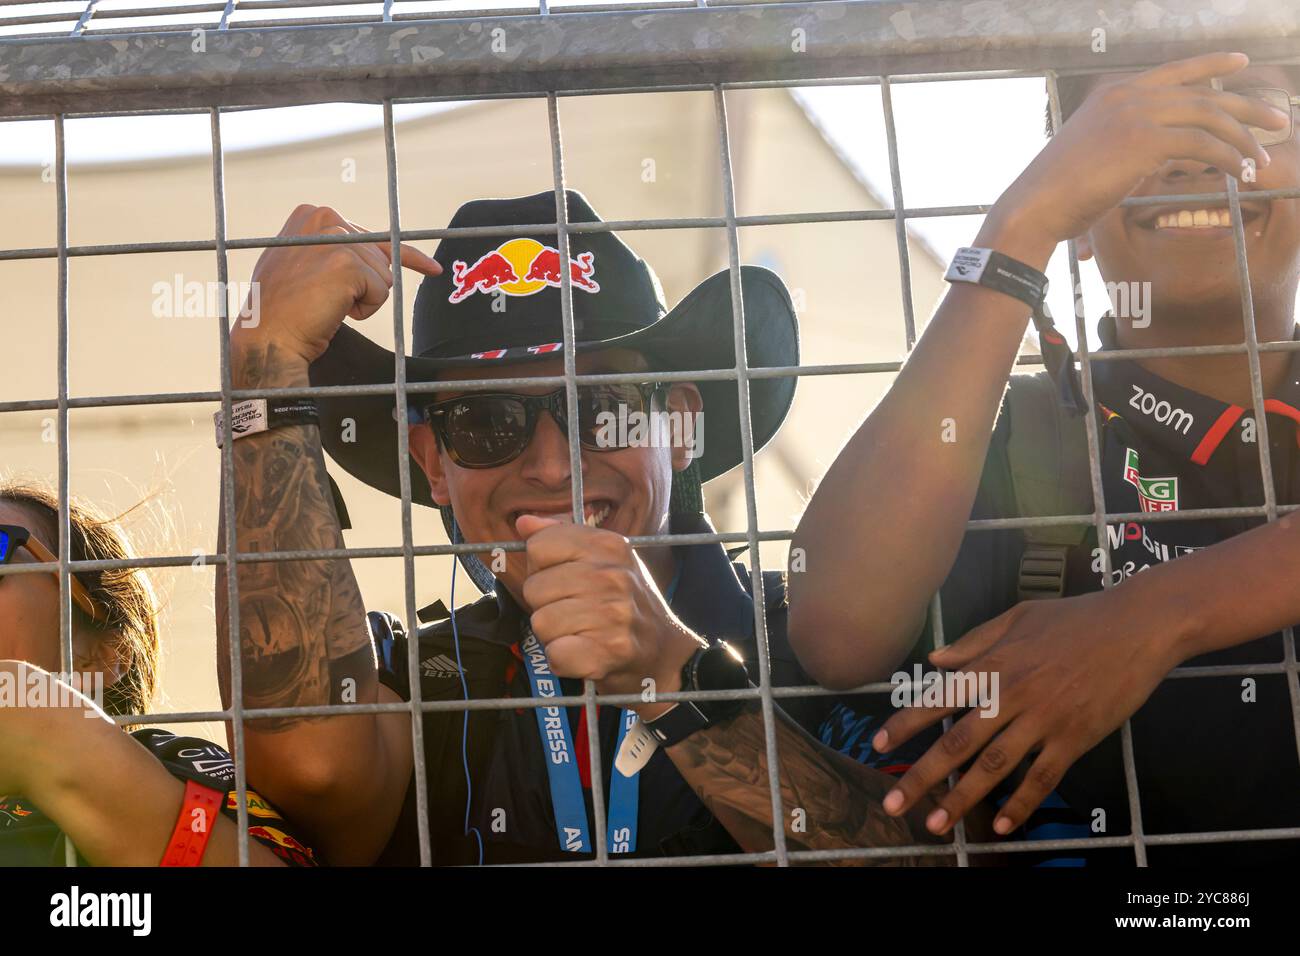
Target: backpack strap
column 1047, row 456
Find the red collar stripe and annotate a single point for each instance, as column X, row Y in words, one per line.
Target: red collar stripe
column 1279, row 407
column 1217, row 431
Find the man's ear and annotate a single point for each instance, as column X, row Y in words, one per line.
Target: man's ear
column 686, row 427
column 423, row 446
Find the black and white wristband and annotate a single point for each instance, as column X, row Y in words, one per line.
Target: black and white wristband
column 1001, row 273
column 255, row 415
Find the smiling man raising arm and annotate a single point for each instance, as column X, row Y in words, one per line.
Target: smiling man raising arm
column 513, row 785
column 1176, row 433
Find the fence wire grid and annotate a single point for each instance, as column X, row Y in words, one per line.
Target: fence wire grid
column 54, row 64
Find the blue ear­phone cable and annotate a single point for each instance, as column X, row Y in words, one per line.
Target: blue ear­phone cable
column 415, row 416
column 464, row 686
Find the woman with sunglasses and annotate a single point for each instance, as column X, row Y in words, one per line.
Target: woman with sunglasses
column 138, row 799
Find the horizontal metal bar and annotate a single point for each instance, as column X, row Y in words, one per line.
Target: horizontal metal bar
column 639, row 541
column 619, row 225
column 486, row 384
column 896, row 79
column 690, row 375
column 252, row 6
column 477, row 384
column 329, row 554
column 174, row 10
column 852, row 80
column 625, row 700
column 70, row 17
column 580, row 50
column 949, row 849
column 304, row 4
column 422, row 235
column 1188, row 514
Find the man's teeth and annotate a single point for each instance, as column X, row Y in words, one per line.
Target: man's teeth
column 592, row 516
column 1194, row 219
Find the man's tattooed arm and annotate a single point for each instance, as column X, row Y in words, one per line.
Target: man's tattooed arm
column 302, row 623
column 830, row 801
column 304, row 638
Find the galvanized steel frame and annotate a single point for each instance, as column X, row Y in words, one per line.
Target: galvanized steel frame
column 390, row 59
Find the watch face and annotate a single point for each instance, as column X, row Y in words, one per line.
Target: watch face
column 721, row 668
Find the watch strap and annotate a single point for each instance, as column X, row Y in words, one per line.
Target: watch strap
column 686, row 717
column 677, row 723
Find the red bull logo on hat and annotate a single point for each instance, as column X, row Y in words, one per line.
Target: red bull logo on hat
column 520, row 267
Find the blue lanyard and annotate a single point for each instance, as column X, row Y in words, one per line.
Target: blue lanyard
column 561, row 771
column 561, row 768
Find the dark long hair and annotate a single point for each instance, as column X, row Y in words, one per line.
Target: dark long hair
column 131, row 626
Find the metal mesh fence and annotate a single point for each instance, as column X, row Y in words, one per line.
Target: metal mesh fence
column 70, row 62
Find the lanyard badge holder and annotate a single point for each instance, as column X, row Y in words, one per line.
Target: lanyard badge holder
column 634, row 748
column 1001, row 273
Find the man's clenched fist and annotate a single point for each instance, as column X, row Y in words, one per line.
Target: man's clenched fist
column 598, row 613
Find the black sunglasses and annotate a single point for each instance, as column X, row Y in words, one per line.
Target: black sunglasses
column 13, row 537
column 489, row 429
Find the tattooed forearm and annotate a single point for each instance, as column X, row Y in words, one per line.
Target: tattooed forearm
column 302, row 627
column 830, row 801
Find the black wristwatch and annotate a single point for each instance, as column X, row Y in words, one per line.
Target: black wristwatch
column 716, row 667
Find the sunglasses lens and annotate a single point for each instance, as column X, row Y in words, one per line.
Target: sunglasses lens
column 602, row 409
column 486, row 430
column 1279, row 99
column 6, row 546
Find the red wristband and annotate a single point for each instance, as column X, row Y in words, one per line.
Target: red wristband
column 194, row 825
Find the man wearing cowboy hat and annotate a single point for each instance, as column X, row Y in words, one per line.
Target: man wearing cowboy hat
column 513, row 785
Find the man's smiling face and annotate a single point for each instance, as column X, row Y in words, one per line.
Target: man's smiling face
column 627, row 489
column 1189, row 261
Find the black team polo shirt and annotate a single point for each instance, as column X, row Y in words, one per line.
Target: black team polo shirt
column 1206, row 759
column 507, row 769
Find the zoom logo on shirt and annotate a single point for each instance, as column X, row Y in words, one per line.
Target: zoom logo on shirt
column 1161, row 411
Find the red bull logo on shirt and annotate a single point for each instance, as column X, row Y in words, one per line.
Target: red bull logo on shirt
column 1154, row 494
column 520, row 267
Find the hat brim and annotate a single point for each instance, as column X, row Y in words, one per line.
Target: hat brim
column 696, row 334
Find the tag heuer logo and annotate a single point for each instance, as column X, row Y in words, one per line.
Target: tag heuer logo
column 439, row 666
column 1154, row 494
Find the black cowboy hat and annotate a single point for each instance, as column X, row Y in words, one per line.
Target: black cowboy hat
column 498, row 300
